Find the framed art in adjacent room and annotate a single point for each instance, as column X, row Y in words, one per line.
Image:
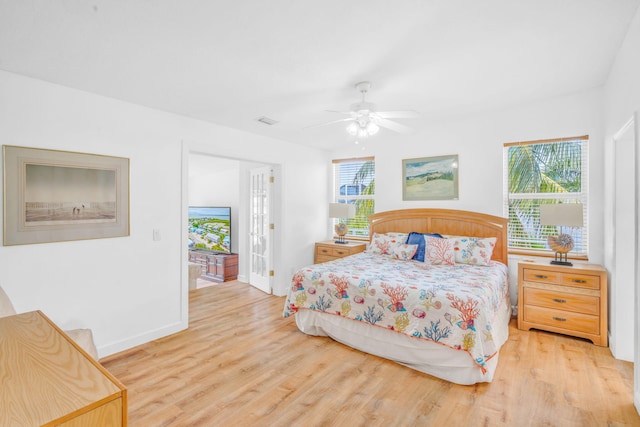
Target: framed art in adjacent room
column 53, row 196
column 430, row 178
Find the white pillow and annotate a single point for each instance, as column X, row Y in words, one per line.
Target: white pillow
column 384, row 244
column 403, row 251
column 473, row 250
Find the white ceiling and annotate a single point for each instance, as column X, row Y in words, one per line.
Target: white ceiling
column 231, row 62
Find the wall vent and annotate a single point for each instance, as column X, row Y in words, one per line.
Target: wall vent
column 267, row 120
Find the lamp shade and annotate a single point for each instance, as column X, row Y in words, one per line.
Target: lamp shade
column 341, row 210
column 562, row 214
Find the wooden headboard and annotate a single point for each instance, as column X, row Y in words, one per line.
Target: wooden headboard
column 444, row 221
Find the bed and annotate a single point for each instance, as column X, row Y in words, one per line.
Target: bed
column 446, row 316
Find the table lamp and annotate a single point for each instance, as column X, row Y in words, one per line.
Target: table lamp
column 340, row 211
column 562, row 215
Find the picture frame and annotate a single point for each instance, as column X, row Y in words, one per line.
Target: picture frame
column 430, row 178
column 54, row 196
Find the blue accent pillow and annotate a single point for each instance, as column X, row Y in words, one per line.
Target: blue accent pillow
column 418, row 239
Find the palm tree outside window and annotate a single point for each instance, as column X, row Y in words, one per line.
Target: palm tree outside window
column 354, row 183
column 539, row 172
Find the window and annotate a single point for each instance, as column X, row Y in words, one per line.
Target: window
column 548, row 171
column 354, row 183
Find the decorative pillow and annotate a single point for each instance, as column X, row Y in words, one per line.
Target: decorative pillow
column 439, row 251
column 473, row 250
column 401, row 237
column 383, row 244
column 418, row 239
column 403, row 251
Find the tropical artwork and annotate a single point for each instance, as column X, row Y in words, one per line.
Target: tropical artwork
column 430, row 178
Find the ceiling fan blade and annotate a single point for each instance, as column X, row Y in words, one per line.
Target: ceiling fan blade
column 349, row 119
column 394, row 126
column 348, row 113
column 409, row 114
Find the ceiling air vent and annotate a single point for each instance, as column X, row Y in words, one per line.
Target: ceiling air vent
column 267, row 120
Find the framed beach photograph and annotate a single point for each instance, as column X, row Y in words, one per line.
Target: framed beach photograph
column 54, row 196
column 430, row 178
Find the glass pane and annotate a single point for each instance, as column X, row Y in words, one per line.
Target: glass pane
column 535, row 170
column 355, row 184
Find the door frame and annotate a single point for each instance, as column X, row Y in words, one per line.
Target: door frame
column 633, row 126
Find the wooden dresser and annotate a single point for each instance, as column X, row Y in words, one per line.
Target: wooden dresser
column 564, row 299
column 330, row 250
column 215, row 267
column 46, row 379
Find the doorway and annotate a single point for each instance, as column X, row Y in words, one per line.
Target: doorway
column 244, row 186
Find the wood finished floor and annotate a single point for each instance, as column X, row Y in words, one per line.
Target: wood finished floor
column 240, row 363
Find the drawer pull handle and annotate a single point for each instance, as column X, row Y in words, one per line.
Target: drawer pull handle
column 559, row 300
column 341, row 253
column 540, row 276
column 559, row 319
column 578, row 281
column 324, row 251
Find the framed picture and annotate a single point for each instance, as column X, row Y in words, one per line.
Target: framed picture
column 430, row 178
column 54, row 196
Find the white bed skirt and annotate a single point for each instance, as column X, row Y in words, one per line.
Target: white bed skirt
column 422, row 355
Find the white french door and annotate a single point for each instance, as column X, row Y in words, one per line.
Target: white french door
column 260, row 228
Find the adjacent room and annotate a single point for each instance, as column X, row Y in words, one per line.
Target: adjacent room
column 320, row 213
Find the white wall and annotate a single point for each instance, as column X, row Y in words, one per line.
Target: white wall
column 133, row 289
column 622, row 100
column 478, row 141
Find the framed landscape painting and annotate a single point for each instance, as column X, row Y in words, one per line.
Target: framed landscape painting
column 430, row 178
column 53, row 196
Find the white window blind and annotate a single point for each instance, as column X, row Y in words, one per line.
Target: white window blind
column 354, row 183
column 546, row 171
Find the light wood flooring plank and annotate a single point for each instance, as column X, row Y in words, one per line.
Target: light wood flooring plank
column 240, row 363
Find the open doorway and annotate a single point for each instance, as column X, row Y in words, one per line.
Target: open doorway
column 217, row 181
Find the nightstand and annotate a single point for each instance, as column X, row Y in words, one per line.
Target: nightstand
column 570, row 300
column 330, row 250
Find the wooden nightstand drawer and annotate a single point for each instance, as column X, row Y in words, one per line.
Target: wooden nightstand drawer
column 573, row 322
column 562, row 301
column 329, row 251
column 576, row 279
column 323, row 258
column 324, row 250
column 341, row 252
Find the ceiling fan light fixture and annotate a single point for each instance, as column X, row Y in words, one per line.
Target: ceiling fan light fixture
column 365, row 120
column 353, row 128
column 362, row 132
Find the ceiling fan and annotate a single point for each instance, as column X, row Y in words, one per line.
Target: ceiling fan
column 366, row 120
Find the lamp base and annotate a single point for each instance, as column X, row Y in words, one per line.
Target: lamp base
column 561, row 259
column 561, row 263
column 341, row 240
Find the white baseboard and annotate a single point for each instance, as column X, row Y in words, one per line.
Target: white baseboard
column 109, row 349
column 636, row 400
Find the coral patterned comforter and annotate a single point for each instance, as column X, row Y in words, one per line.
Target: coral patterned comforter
column 450, row 305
